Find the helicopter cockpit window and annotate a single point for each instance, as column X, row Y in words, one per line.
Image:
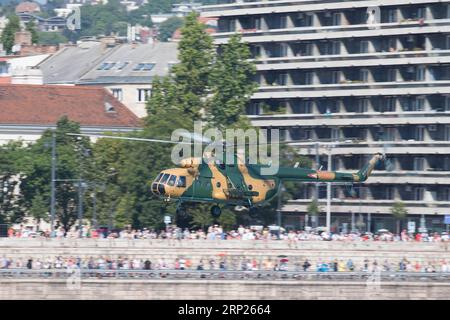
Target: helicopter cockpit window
column 164, row 178
column 181, row 182
column 172, row 180
column 158, row 177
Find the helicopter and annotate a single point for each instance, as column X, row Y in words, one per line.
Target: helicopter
column 236, row 183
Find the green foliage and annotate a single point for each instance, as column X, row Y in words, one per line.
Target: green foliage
column 11, row 202
column 51, row 38
column 103, row 19
column 168, row 27
column 398, row 210
column 11, row 28
column 71, row 165
column 191, row 75
column 39, row 207
column 231, row 83
column 201, row 217
column 31, row 27
column 313, row 208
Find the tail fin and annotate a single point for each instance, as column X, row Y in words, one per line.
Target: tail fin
column 365, row 172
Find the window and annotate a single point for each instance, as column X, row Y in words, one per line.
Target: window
column 109, row 107
column 420, row 73
column 307, row 134
column 337, row 19
column 364, row 75
column 419, row 164
column 172, row 180
column 390, row 193
column 335, row 77
column 122, row 65
column 389, row 104
column 181, row 182
column 421, row 13
column 158, row 177
column 447, row 133
column 309, row 49
column 144, row 67
column 304, row 106
column 117, row 93
column 448, row 39
column 419, row 133
column 309, row 76
column 364, row 47
column 106, row 66
column 164, row 178
column 418, row 104
column 335, row 134
column 389, row 134
column 283, row 50
column 282, row 79
column 392, row 15
column 307, row 20
column 391, row 75
column 363, row 105
column 336, row 47
column 419, row 193
column 143, row 94
column 447, row 103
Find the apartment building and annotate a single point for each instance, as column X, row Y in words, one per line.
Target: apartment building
column 368, row 76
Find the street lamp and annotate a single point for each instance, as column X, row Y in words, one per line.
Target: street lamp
column 52, row 145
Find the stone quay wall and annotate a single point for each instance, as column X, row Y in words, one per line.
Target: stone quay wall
column 206, row 249
column 218, row 289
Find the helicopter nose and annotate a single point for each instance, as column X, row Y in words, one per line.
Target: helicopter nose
column 161, row 189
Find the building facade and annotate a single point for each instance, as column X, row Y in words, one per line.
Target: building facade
column 369, row 76
column 125, row 69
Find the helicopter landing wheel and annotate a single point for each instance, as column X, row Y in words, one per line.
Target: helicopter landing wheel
column 253, row 212
column 216, row 211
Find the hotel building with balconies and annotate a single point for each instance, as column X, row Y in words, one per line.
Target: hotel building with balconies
column 370, row 76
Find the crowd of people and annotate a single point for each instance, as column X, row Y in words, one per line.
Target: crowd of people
column 216, row 232
column 234, row 263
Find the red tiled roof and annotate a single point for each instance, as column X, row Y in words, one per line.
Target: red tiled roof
column 27, row 7
column 5, row 80
column 46, row 104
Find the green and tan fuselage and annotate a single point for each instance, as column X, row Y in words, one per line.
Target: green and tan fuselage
column 240, row 183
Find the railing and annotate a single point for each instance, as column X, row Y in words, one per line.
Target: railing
column 97, row 274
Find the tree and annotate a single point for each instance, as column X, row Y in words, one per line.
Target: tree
column 201, row 218
column 8, row 34
column 313, row 209
column 31, row 27
column 191, row 75
column 72, row 164
column 399, row 212
column 39, row 208
column 51, row 38
column 231, row 83
column 11, row 202
column 168, row 27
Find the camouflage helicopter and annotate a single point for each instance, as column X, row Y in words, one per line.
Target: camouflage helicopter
column 237, row 183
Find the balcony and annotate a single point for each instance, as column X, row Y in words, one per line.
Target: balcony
column 357, row 89
column 353, row 147
column 424, row 57
column 339, row 32
column 352, row 119
column 247, row 7
column 372, row 206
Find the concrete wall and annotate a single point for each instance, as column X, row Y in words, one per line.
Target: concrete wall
column 198, row 249
column 218, row 289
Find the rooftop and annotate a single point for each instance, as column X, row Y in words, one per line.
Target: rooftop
column 93, row 62
column 133, row 63
column 46, row 104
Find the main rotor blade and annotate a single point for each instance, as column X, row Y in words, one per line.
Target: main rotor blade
column 127, row 138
